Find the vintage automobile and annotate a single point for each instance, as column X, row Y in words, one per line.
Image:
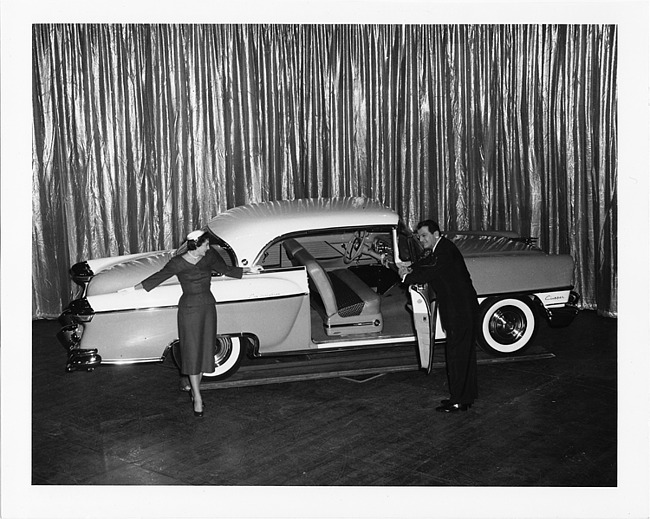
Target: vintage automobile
column 327, row 283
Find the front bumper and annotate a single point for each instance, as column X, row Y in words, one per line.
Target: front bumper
column 564, row 315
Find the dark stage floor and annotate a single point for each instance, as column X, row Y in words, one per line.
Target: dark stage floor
column 547, row 420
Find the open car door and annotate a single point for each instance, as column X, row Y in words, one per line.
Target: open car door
column 424, row 319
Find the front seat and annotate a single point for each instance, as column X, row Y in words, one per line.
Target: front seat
column 346, row 304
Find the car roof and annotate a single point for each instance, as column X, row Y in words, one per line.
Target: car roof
column 249, row 228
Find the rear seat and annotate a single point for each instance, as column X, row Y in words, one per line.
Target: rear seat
column 346, row 304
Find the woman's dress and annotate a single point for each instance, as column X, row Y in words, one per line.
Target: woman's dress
column 197, row 313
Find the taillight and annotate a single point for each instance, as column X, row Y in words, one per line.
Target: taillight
column 81, row 273
column 81, row 310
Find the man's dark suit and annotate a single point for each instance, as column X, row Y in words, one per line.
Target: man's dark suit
column 445, row 272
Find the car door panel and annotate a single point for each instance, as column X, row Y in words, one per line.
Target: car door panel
column 424, row 320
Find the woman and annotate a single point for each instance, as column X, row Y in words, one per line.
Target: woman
column 197, row 314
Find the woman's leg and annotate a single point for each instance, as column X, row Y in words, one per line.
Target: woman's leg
column 195, row 382
column 184, row 383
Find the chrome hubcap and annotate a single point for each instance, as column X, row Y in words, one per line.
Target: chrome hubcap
column 507, row 325
column 223, row 351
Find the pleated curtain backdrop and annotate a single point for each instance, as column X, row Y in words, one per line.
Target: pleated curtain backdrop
column 144, row 132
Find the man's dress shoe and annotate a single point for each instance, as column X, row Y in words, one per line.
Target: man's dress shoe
column 452, row 408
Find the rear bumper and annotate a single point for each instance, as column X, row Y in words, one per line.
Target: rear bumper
column 82, row 360
column 72, row 319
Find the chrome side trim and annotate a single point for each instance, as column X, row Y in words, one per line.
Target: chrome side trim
column 125, row 362
column 531, row 292
column 366, row 342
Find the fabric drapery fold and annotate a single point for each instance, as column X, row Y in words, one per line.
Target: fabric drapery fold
column 143, row 132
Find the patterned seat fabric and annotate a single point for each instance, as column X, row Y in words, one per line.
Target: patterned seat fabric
column 346, row 303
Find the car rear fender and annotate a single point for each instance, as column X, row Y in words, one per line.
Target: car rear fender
column 138, row 325
column 520, row 273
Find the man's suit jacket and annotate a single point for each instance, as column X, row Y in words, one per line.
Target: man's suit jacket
column 445, row 271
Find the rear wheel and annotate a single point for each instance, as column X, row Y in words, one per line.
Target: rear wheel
column 507, row 325
column 228, row 354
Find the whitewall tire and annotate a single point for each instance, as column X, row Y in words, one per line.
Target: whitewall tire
column 228, row 354
column 227, row 357
column 507, row 325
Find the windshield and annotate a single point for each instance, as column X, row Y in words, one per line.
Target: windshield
column 409, row 246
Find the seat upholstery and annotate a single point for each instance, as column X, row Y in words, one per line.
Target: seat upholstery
column 346, row 304
column 315, row 273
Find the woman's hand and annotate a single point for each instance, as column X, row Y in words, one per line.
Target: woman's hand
column 130, row 289
column 255, row 269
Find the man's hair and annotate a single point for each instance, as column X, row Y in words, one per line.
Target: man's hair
column 432, row 225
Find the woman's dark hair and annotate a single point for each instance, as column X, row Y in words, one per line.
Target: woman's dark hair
column 432, row 225
column 194, row 244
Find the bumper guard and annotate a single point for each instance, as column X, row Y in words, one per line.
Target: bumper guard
column 80, row 360
column 563, row 316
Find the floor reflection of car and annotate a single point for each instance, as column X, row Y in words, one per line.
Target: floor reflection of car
column 328, row 283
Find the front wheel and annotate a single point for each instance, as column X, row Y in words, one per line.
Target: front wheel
column 228, row 354
column 506, row 325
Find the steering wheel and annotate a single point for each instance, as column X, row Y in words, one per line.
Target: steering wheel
column 355, row 247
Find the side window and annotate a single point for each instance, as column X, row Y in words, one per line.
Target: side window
column 329, row 248
column 322, row 248
column 326, row 247
column 275, row 257
column 409, row 246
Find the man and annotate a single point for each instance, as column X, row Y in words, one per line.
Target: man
column 444, row 269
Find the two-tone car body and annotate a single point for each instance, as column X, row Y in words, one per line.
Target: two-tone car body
column 327, row 283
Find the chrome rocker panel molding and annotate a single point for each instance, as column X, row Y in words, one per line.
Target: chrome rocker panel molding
column 88, row 360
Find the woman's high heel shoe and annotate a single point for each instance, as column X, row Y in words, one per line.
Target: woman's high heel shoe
column 198, row 414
